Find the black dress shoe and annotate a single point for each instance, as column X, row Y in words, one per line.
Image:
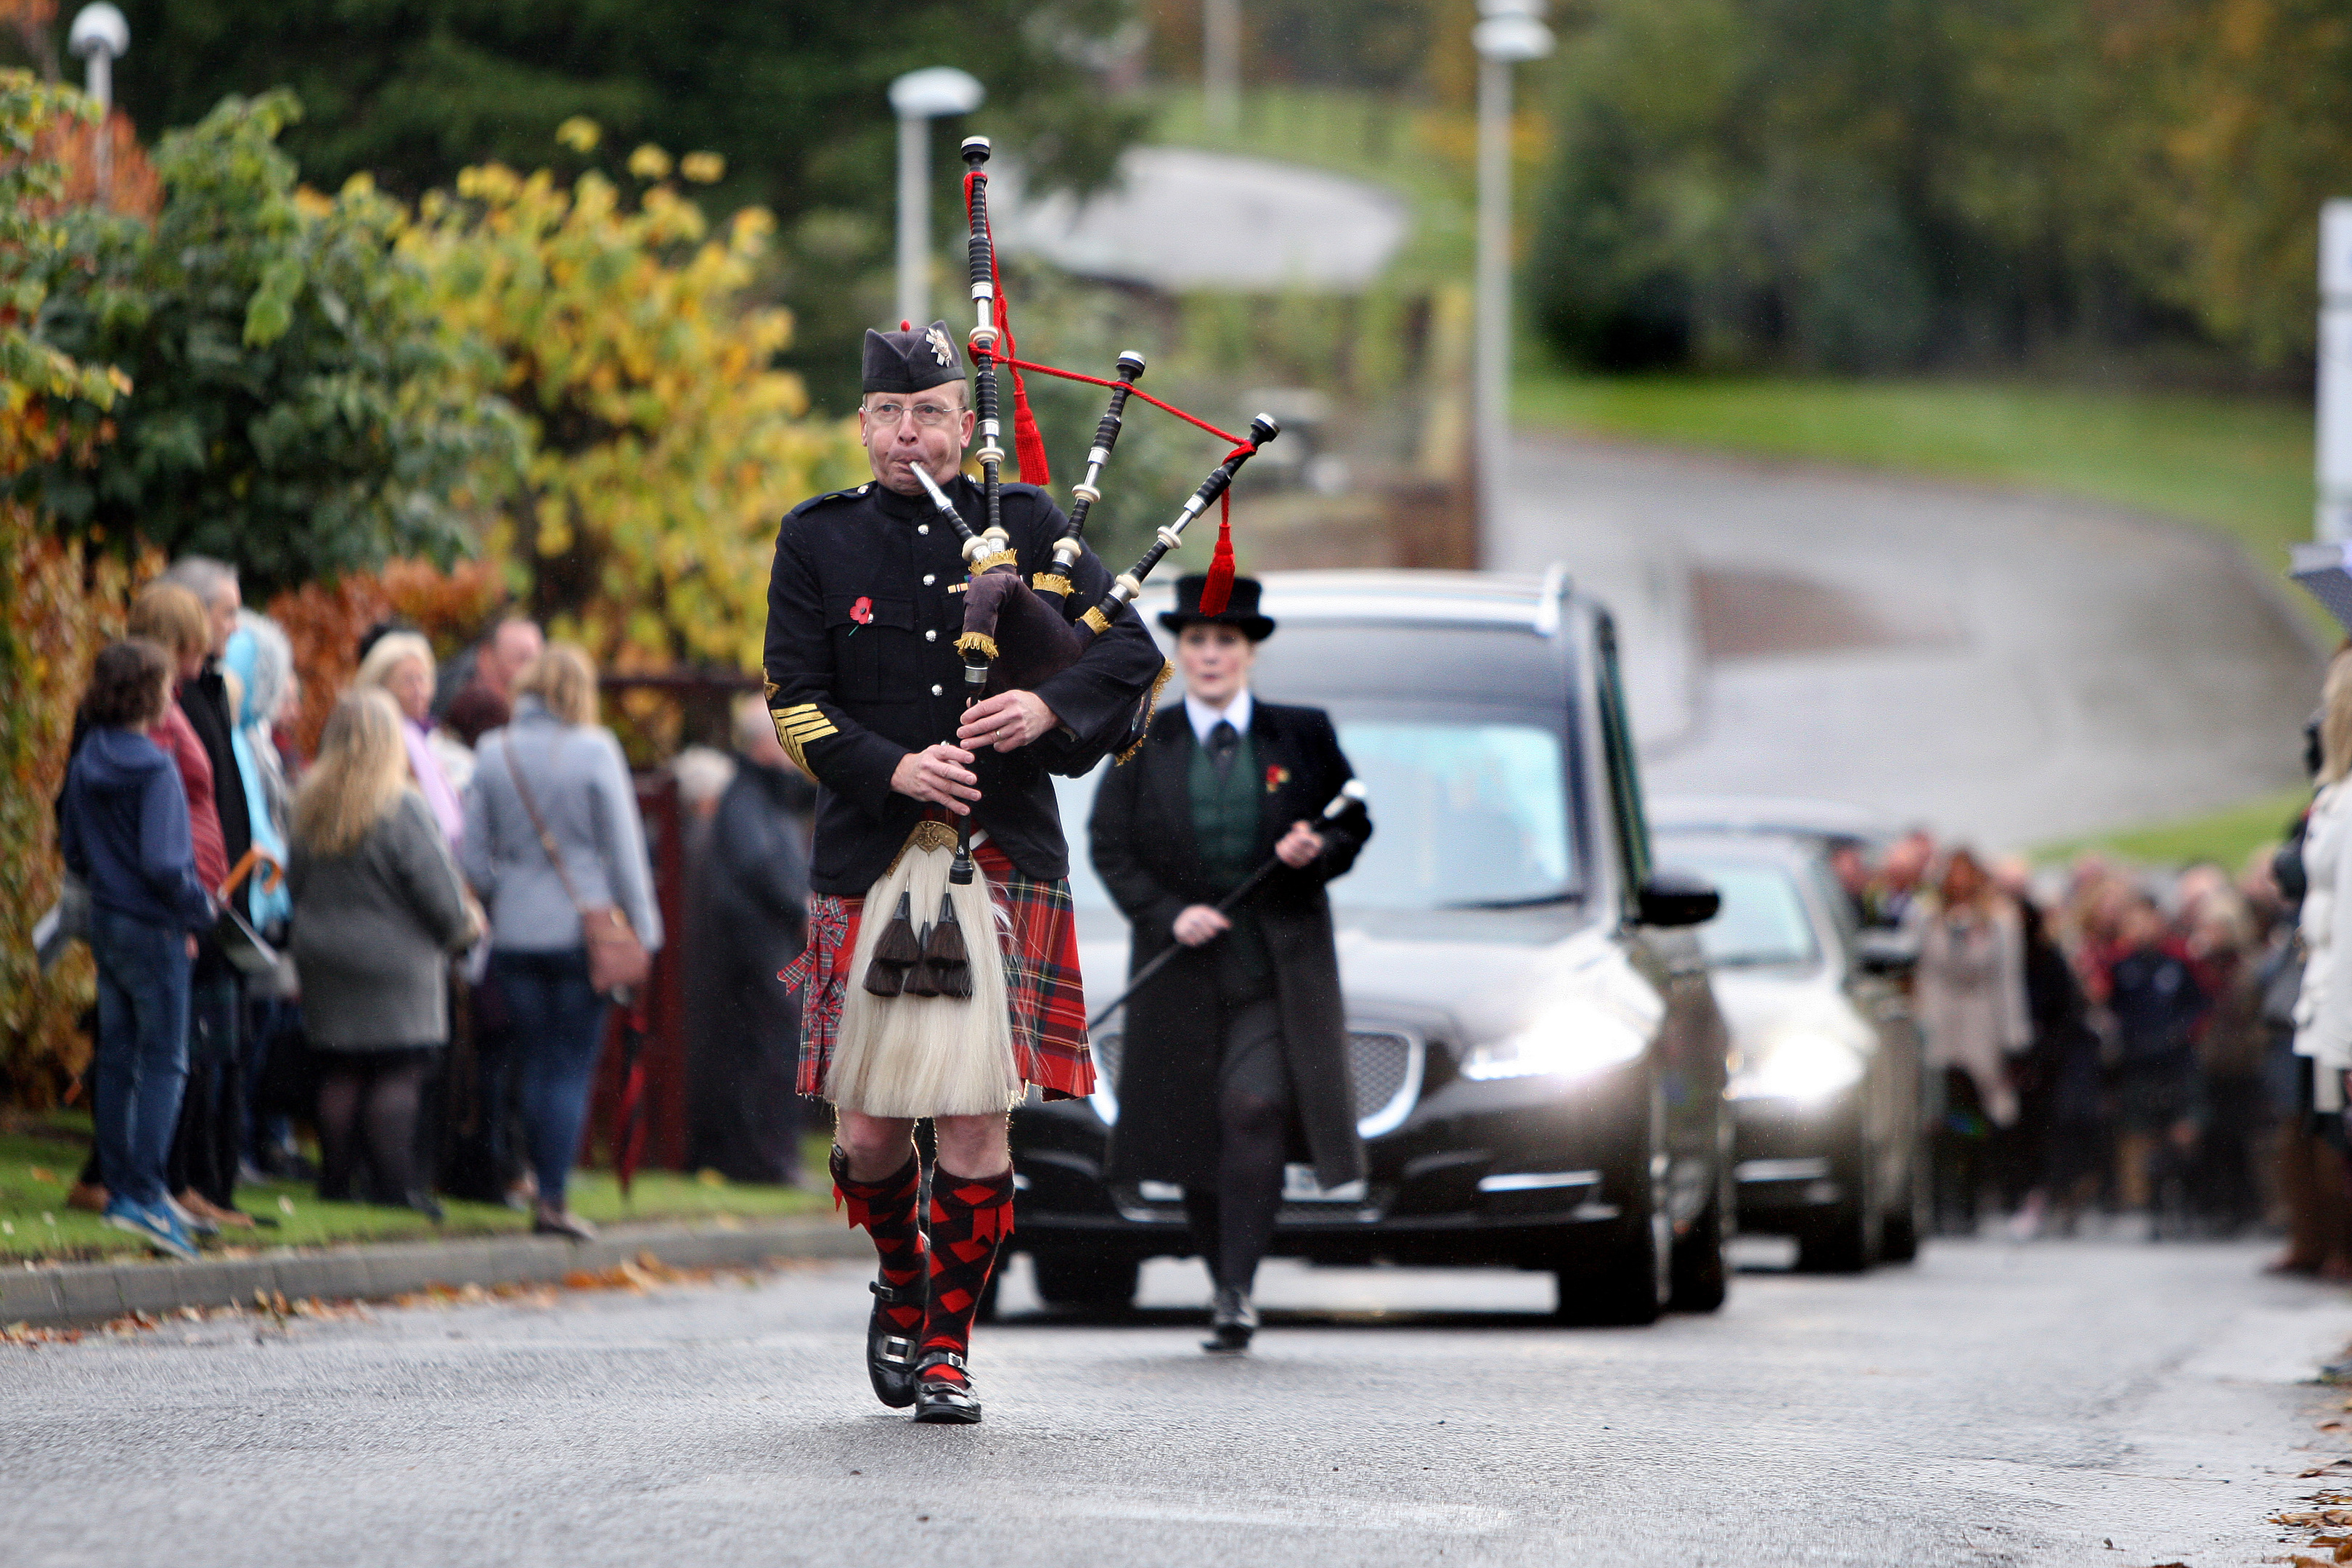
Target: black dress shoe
column 1231, row 1322
column 891, row 1353
column 940, row 1401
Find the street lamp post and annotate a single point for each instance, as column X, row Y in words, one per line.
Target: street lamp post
column 101, row 36
column 1508, row 32
column 918, row 98
column 1220, row 64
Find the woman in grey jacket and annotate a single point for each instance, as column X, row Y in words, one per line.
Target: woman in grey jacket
column 579, row 784
column 378, row 909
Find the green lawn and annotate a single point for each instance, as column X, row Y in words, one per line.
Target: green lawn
column 2226, row 837
column 37, row 1166
column 2242, row 465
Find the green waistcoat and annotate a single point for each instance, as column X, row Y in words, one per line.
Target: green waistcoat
column 1225, row 825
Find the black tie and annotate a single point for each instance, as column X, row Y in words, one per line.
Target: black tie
column 1223, row 742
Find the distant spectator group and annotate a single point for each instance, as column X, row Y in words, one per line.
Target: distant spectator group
column 388, row 943
column 2104, row 1046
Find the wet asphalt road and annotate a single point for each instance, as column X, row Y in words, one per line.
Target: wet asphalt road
column 1990, row 1404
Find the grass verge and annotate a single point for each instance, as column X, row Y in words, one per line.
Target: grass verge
column 2226, row 837
column 2242, row 465
column 39, row 1160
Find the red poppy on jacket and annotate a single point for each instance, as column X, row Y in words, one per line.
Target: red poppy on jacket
column 1276, row 777
column 862, row 612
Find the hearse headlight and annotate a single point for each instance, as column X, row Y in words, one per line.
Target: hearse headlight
column 1801, row 1063
column 1570, row 1038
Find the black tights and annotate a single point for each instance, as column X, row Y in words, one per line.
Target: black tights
column 1233, row 1225
column 374, row 1095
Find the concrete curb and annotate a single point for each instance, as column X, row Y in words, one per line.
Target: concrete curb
column 63, row 1295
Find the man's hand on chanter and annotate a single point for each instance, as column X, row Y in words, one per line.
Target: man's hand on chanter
column 941, row 774
column 1008, row 722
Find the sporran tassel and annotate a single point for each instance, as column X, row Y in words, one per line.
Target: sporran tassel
column 898, row 951
column 946, row 966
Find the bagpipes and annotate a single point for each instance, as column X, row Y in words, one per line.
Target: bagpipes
column 935, row 1060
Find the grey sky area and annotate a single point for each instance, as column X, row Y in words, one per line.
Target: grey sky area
column 2010, row 669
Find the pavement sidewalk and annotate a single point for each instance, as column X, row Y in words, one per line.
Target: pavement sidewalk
column 53, row 1295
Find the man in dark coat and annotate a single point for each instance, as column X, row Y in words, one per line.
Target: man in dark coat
column 743, row 1116
column 1237, row 1054
column 867, row 688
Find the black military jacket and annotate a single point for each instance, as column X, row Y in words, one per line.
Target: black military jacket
column 864, row 603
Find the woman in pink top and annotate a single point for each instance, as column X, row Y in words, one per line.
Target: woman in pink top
column 401, row 663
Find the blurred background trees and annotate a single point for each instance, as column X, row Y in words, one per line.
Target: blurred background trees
column 1862, row 186
column 298, row 406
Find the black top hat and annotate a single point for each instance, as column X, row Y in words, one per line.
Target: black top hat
column 911, row 359
column 1240, row 611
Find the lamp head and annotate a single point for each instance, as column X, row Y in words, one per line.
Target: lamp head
column 98, row 29
column 935, row 90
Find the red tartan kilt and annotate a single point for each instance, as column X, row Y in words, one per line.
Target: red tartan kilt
column 1045, row 991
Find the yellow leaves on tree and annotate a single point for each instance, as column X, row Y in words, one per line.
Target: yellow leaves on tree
column 665, row 448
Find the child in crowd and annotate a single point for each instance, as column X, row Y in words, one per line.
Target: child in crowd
column 123, row 825
column 2157, row 1007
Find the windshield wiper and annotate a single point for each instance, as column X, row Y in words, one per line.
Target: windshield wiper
column 1533, row 901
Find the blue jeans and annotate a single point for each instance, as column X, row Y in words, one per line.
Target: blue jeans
column 143, row 1050
column 558, row 1024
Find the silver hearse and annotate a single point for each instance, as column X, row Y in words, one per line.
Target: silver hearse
column 1539, row 1064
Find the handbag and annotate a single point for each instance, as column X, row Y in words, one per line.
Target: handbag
column 67, row 921
column 617, row 961
column 246, row 949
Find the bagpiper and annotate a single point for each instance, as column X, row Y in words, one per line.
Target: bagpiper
column 923, row 996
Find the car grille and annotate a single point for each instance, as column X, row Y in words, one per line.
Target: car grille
column 1385, row 1064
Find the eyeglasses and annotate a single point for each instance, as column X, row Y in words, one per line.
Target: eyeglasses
column 929, row 416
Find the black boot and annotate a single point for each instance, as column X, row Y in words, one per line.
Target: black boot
column 1231, row 1321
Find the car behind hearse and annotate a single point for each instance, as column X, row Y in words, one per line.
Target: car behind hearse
column 1538, row 1061
column 1828, row 1142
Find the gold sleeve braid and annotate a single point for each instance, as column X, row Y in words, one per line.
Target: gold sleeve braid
column 796, row 727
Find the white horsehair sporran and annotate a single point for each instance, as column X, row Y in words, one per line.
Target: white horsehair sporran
column 910, row 1055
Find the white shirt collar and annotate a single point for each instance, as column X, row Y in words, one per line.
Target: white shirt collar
column 1204, row 717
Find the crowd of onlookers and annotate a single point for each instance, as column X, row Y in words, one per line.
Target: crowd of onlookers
column 2149, row 1052
column 409, row 942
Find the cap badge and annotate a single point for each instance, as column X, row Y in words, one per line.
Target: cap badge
column 942, row 349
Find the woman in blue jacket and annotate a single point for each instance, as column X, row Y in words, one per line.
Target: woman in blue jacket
column 123, row 825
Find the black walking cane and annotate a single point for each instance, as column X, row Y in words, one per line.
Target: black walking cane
column 1350, row 798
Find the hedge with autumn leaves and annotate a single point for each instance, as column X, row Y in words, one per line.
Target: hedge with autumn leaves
column 528, row 393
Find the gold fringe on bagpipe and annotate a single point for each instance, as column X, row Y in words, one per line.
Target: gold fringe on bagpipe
column 926, row 1055
column 1150, row 710
column 990, row 563
column 1096, row 619
column 977, row 642
column 1053, row 582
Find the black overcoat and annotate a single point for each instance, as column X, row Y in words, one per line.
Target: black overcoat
column 1146, row 853
column 748, row 919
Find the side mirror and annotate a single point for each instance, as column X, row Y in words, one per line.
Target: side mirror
column 1887, row 952
column 1673, row 898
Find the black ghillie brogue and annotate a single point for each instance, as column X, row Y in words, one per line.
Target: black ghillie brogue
column 890, row 1349
column 945, row 1401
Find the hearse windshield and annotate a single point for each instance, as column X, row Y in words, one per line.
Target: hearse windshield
column 1460, row 739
